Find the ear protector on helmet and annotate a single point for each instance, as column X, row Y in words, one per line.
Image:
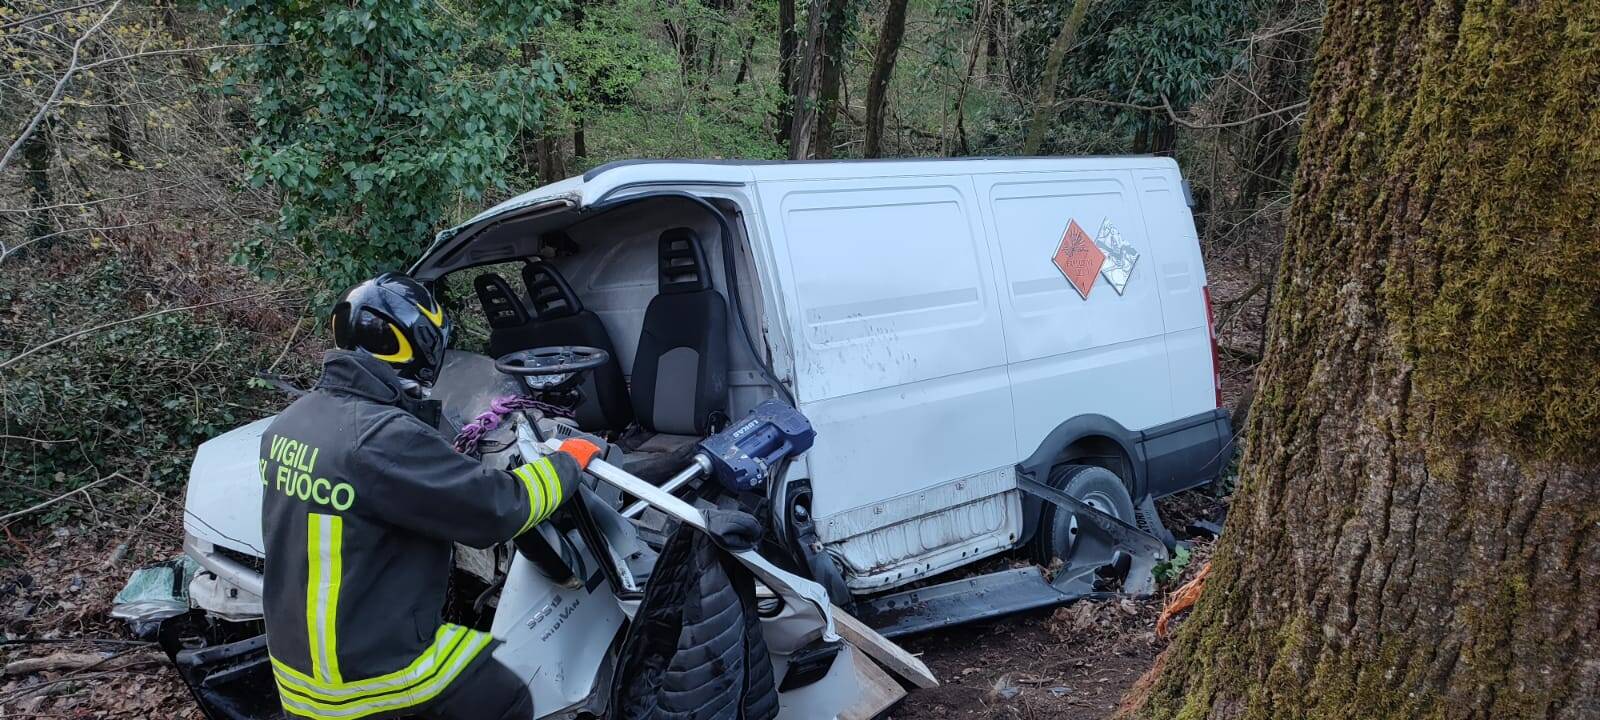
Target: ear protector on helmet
column 395, row 319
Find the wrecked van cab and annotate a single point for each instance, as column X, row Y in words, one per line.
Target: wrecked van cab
column 996, row 355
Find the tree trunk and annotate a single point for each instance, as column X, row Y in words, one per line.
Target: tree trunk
column 802, row 108
column 788, row 47
column 580, row 142
column 744, row 63
column 1052, row 77
column 832, row 66
column 981, row 27
column 36, row 155
column 889, row 37
column 991, row 43
column 1415, row 533
column 192, row 62
column 119, row 126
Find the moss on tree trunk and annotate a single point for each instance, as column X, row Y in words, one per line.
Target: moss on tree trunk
column 1417, row 530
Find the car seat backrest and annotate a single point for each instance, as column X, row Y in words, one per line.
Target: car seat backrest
column 549, row 294
column 500, row 303
column 680, row 371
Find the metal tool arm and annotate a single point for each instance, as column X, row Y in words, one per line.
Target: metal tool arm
column 660, row 497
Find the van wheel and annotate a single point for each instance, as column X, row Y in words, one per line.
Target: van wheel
column 1098, row 488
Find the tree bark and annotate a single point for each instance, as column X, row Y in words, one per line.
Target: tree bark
column 192, row 63
column 1052, row 77
column 1415, row 533
column 981, row 27
column 832, row 75
column 788, row 47
column 36, row 156
column 889, row 37
column 803, row 110
column 119, row 126
column 744, row 63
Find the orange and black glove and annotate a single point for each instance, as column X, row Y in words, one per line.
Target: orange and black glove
column 580, row 450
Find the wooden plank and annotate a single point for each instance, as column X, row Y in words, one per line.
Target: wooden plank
column 879, row 691
column 880, row 648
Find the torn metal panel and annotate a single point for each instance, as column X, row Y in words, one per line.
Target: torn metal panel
column 962, row 601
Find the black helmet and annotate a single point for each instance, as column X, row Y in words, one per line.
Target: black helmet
column 396, row 320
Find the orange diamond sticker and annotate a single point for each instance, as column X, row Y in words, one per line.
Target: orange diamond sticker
column 1078, row 258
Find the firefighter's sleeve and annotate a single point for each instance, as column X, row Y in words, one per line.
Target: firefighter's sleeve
column 412, row 478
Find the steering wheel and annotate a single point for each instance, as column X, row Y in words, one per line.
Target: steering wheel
column 549, row 369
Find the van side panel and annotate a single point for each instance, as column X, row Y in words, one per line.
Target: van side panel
column 1181, row 275
column 899, row 350
column 1069, row 355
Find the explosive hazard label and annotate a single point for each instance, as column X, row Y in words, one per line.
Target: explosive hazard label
column 1078, row 258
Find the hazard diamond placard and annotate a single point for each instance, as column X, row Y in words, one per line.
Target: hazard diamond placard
column 1078, row 258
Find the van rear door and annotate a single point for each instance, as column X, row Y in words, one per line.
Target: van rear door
column 1073, row 353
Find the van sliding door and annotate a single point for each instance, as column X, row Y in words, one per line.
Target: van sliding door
column 899, row 352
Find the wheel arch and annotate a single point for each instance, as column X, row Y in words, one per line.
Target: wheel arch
column 1093, row 439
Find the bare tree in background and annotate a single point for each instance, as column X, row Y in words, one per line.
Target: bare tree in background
column 832, row 75
column 788, row 49
column 802, row 103
column 1045, row 107
column 890, row 35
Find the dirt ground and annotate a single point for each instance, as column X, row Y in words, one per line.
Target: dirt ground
column 56, row 588
column 1074, row 662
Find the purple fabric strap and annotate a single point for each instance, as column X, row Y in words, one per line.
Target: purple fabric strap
column 469, row 437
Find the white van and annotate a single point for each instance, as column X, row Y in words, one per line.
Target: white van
column 953, row 329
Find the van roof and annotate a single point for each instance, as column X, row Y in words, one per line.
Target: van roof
column 602, row 182
column 867, row 163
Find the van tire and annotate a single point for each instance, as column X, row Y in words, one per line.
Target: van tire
column 1099, row 488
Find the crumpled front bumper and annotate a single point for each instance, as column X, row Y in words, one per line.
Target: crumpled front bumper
column 229, row 680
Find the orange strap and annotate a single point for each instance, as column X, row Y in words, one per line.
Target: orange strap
column 1182, row 600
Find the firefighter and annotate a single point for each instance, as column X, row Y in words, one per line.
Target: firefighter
column 363, row 500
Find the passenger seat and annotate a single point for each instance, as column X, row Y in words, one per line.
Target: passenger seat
column 680, row 372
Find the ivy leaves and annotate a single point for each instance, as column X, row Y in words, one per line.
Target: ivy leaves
column 377, row 120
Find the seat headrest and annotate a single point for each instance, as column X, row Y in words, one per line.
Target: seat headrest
column 549, row 293
column 683, row 262
column 500, row 304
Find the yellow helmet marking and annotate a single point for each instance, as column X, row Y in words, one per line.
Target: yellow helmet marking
column 403, row 355
column 436, row 314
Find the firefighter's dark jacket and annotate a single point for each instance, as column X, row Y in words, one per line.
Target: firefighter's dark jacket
column 362, row 502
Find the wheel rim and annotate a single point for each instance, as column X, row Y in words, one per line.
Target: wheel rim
column 1097, row 500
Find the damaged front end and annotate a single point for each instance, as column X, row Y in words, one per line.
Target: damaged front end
column 225, row 666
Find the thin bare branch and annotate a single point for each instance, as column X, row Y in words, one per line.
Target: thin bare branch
column 50, row 14
column 1173, row 115
column 171, row 51
column 60, row 87
column 29, row 511
column 7, row 251
column 40, row 441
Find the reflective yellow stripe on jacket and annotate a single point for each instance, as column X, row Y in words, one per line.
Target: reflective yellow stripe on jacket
column 453, row 648
column 324, row 570
column 539, row 479
column 324, row 695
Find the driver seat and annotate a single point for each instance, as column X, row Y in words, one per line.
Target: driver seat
column 559, row 318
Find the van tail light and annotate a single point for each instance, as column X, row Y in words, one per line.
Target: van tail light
column 1211, row 329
